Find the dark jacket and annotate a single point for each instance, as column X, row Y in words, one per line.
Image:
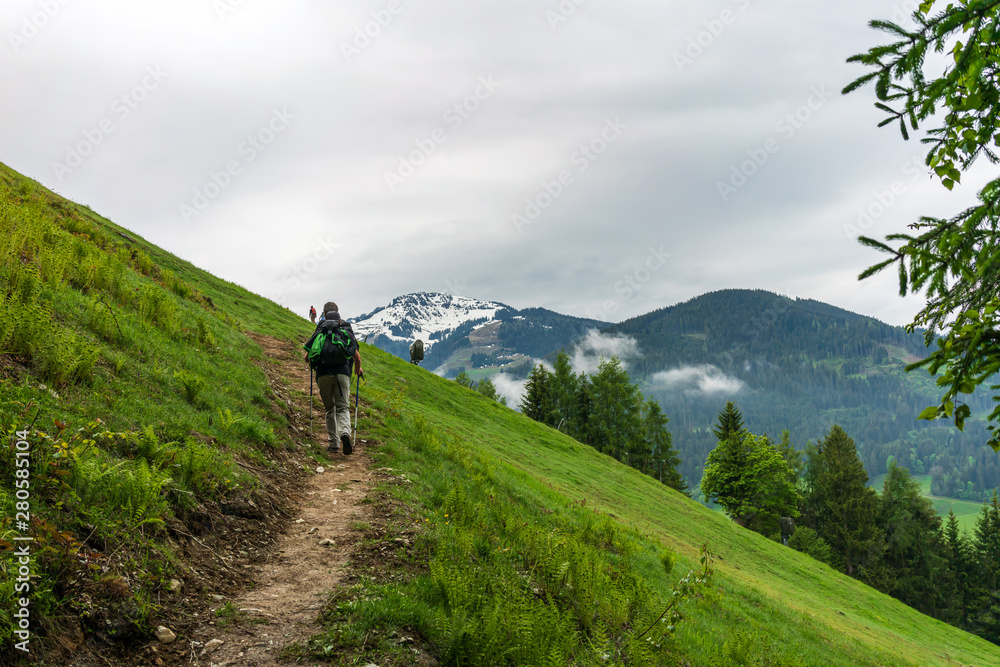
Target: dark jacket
column 345, row 369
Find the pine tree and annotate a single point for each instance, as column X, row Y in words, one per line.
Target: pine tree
column 913, row 543
column 960, row 565
column 661, row 459
column 984, row 619
column 730, row 423
column 616, row 417
column 987, row 543
column 582, row 426
column 537, row 401
column 793, row 457
column 839, row 502
column 564, row 388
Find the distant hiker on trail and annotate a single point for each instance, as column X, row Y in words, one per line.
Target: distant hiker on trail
column 416, row 352
column 333, row 353
column 312, row 314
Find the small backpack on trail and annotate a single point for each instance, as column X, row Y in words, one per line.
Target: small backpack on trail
column 417, row 351
column 332, row 345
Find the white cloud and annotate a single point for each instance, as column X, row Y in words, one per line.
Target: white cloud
column 705, row 379
column 510, row 388
column 589, row 351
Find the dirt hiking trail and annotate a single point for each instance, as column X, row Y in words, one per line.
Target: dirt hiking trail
column 290, row 587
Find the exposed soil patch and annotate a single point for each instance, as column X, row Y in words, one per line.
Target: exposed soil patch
column 291, row 584
column 288, row 586
column 258, row 569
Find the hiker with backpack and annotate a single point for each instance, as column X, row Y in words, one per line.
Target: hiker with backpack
column 312, row 314
column 333, row 353
column 416, row 352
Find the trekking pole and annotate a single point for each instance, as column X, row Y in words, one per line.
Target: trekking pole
column 310, row 402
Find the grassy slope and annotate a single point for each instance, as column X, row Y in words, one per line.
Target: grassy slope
column 828, row 618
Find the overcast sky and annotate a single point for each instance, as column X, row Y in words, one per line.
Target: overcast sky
column 279, row 146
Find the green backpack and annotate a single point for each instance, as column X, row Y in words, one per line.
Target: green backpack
column 331, row 346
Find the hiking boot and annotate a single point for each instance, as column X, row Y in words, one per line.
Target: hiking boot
column 346, row 439
column 333, row 447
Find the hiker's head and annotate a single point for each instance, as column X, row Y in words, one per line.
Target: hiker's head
column 331, row 311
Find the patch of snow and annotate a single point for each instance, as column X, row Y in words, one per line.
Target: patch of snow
column 425, row 314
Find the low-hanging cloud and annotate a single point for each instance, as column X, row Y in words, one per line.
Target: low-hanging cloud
column 589, row 351
column 706, row 379
column 510, row 388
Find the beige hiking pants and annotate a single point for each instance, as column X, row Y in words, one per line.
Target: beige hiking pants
column 335, row 390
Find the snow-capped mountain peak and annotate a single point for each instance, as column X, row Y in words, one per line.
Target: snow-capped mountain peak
column 429, row 316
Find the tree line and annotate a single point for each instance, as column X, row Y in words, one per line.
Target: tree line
column 878, row 406
column 893, row 541
column 805, row 365
column 607, row 412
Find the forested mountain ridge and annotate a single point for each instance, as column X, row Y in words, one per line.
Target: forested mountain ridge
column 803, row 365
column 757, row 323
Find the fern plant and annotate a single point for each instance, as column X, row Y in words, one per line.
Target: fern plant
column 192, row 384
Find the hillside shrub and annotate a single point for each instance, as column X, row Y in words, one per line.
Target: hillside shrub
column 143, row 263
column 205, row 470
column 132, row 492
column 808, row 541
